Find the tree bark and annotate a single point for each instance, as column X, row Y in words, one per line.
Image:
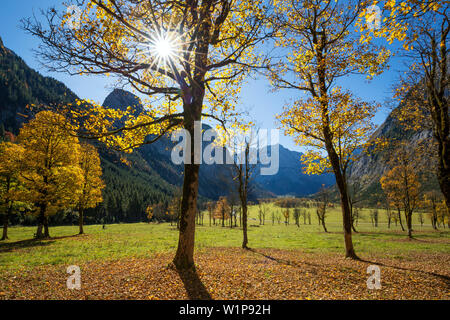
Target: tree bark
column 46, row 232
column 352, row 215
column 443, row 174
column 409, row 224
column 400, row 220
column 323, row 225
column 345, row 206
column 184, row 258
column 5, row 226
column 353, row 226
column 244, row 226
column 81, row 221
column 434, row 219
column 41, row 219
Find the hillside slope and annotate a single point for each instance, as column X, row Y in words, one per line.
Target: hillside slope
column 370, row 167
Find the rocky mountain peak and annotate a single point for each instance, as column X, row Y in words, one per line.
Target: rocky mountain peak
column 121, row 99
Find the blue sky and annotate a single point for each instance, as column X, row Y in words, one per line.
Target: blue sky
column 256, row 95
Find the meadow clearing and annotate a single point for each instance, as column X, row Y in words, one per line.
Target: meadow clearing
column 132, row 261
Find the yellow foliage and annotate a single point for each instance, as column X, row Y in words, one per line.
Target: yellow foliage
column 11, row 156
column 51, row 173
column 91, row 193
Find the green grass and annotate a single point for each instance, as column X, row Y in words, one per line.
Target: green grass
column 144, row 240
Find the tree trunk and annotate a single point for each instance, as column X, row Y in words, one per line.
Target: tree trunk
column 400, row 219
column 41, row 219
column 5, row 226
column 184, row 258
column 353, row 226
column 443, row 170
column 433, row 220
column 46, row 232
column 353, row 217
column 346, row 215
column 80, row 220
column 323, row 225
column 409, row 224
column 244, row 226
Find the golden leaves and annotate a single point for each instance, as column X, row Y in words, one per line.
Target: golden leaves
column 91, row 193
column 347, row 118
column 51, row 172
column 400, row 20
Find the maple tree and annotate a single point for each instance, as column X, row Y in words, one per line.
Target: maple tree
column 322, row 46
column 210, row 208
column 193, row 54
column 244, row 170
column 401, row 185
column 423, row 27
column 222, row 210
column 91, row 192
column 51, row 174
column 149, row 212
column 174, row 209
column 286, row 215
column 431, row 202
column 10, row 167
column 322, row 206
column 262, row 211
column 443, row 214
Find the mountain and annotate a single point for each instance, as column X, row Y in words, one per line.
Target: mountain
column 290, row 179
column 21, row 86
column 370, row 167
column 215, row 179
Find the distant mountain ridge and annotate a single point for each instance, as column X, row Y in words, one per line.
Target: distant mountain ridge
column 290, row 179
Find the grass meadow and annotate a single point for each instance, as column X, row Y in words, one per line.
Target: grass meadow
column 142, row 240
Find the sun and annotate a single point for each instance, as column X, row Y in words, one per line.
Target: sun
column 164, row 47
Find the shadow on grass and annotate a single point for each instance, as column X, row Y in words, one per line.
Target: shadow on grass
column 11, row 246
column 434, row 274
column 284, row 261
column 30, row 243
column 419, row 236
column 195, row 288
column 299, row 265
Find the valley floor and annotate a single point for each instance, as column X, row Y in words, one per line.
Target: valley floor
column 232, row 273
column 133, row 261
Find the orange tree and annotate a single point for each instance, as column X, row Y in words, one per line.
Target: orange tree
column 193, row 54
column 51, row 174
column 322, row 46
